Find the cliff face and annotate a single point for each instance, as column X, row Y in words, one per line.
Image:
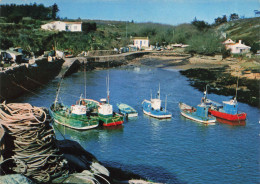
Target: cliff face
column 17, row 80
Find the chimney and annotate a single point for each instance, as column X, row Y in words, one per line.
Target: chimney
column 240, row 42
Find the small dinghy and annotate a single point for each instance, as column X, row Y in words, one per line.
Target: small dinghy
column 199, row 114
column 127, row 110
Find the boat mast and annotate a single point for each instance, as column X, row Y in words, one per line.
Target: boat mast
column 58, row 91
column 236, row 90
column 159, row 92
column 165, row 102
column 85, row 81
column 107, row 83
column 206, row 92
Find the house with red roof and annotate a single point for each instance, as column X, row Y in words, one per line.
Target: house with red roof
column 236, row 48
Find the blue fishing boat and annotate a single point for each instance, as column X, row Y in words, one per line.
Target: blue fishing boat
column 154, row 109
column 127, row 110
column 199, row 114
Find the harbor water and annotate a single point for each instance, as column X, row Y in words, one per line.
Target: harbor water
column 170, row 151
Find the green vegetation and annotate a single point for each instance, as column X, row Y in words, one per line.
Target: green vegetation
column 205, row 43
column 20, row 26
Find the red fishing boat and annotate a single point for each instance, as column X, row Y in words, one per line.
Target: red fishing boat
column 228, row 111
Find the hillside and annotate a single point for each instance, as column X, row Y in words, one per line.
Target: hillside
column 243, row 29
column 24, row 30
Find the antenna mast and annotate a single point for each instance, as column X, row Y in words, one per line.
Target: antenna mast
column 159, row 95
column 85, row 81
column 58, row 91
column 165, row 102
column 236, row 89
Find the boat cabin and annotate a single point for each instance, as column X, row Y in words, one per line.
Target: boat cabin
column 105, row 108
column 230, row 107
column 202, row 110
column 156, row 104
column 103, row 101
column 78, row 109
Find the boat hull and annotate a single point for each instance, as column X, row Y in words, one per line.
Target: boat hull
column 111, row 120
column 229, row 117
column 127, row 110
column 77, row 122
column 232, row 123
column 129, row 115
column 159, row 114
column 166, row 116
column 194, row 118
column 74, row 123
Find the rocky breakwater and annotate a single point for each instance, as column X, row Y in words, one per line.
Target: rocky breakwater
column 18, row 79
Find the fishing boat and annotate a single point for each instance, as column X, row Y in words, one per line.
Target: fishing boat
column 199, row 114
column 228, row 110
column 107, row 116
column 154, row 109
column 92, row 105
column 127, row 110
column 74, row 117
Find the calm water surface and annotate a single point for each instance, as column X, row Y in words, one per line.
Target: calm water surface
column 173, row 151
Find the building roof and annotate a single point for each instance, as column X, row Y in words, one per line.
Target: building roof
column 14, row 52
column 228, row 41
column 140, row 38
column 65, row 22
column 240, row 45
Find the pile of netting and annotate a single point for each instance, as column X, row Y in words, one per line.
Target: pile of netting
column 27, row 145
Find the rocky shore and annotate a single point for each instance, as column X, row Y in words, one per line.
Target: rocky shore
column 219, row 74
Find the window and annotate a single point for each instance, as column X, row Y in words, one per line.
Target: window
column 75, row 27
column 144, row 42
column 136, row 42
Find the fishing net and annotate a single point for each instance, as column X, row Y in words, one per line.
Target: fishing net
column 27, row 143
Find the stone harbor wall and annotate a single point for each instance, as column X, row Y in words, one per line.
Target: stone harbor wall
column 19, row 79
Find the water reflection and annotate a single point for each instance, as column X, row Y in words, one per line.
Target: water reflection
column 232, row 123
column 100, row 133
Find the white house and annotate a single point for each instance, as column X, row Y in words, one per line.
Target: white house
column 237, row 48
column 141, row 42
column 63, row 26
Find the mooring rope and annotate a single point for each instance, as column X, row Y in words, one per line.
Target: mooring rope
column 34, row 152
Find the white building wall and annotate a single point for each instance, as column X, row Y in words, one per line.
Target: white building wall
column 63, row 26
column 141, row 43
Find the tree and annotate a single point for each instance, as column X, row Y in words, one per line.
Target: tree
column 200, row 24
column 220, row 20
column 89, row 26
column 54, row 11
column 233, row 16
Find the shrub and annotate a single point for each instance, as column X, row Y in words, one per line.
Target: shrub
column 205, row 43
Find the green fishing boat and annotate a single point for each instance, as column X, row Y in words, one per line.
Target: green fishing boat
column 103, row 111
column 74, row 117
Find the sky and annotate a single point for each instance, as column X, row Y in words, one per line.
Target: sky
column 171, row 12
